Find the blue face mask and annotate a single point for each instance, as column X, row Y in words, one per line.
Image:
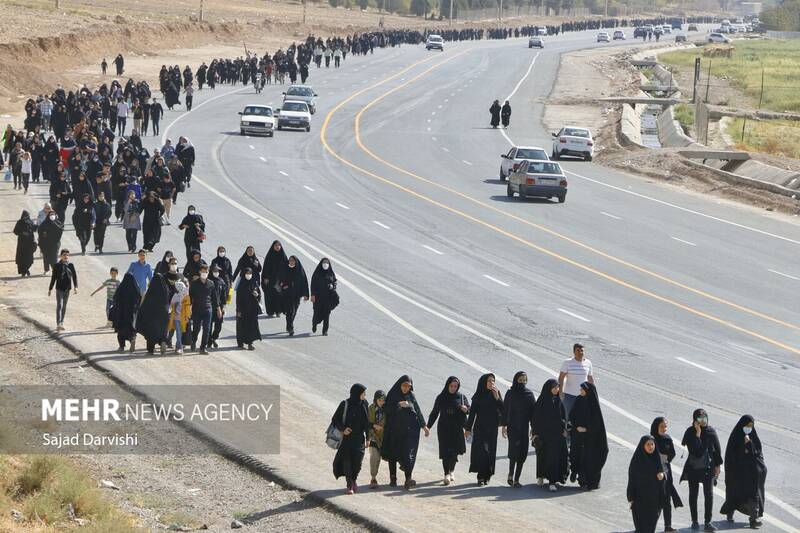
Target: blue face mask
column 747, row 430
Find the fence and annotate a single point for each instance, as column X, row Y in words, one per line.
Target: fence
column 512, row 11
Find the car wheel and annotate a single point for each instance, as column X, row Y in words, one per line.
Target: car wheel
column 308, row 128
column 555, row 157
column 509, row 191
column 279, row 126
column 241, row 132
column 587, row 157
column 502, row 176
column 562, row 198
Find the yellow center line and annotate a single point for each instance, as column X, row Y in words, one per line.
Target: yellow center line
column 613, row 279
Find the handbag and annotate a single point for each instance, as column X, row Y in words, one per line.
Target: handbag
column 334, row 299
column 8, row 174
column 333, row 436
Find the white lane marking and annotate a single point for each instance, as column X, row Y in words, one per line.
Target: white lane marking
column 429, row 129
column 433, row 112
column 681, row 240
column 381, row 224
column 522, row 80
column 429, row 120
column 609, row 215
column 784, row 275
column 282, row 173
column 573, row 315
column 434, row 250
column 503, row 283
column 342, row 206
column 264, row 159
column 466, row 162
column 308, row 188
column 252, row 147
column 434, row 139
column 440, row 106
column 701, row 367
column 446, row 100
column 445, row 149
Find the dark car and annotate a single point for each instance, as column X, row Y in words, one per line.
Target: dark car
column 639, row 32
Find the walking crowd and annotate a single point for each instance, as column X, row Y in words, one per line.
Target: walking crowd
column 565, row 426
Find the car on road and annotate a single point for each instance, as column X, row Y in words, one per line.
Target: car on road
column 294, row 114
column 518, row 154
column 666, row 28
column 573, row 141
column 619, row 35
column 680, row 37
column 718, row 38
column 434, row 42
column 258, row 120
column 639, row 32
column 692, row 27
column 540, row 30
column 535, row 42
column 603, row 37
column 538, row 179
column 302, row 93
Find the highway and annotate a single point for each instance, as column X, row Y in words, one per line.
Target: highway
column 682, row 301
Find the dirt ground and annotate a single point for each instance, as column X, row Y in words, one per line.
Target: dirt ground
column 159, row 491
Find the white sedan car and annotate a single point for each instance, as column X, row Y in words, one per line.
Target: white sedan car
column 718, row 38
column 257, row 119
column 516, row 155
column 619, row 35
column 603, row 37
column 573, row 141
column 294, row 114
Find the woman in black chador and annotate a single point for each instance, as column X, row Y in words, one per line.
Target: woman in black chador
column 401, row 430
column 666, row 453
column 25, row 230
column 153, row 316
column 589, row 448
column 248, row 260
column 50, row 231
column 495, row 112
column 123, row 311
column 450, row 409
column 518, row 410
column 248, row 296
column 485, row 416
column 293, row 285
column 352, row 420
column 550, row 437
column 646, row 486
column 323, row 295
column 745, row 473
column 273, row 264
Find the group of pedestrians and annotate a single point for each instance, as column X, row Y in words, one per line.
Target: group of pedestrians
column 566, row 427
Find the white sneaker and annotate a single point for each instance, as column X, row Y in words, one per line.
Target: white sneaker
column 540, row 481
column 178, row 351
column 452, row 477
column 553, row 488
column 446, row 480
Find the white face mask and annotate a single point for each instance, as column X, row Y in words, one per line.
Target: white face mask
column 173, row 268
column 52, row 217
column 204, row 275
column 191, row 211
column 248, row 276
column 325, row 266
column 221, row 254
column 215, row 274
column 747, row 430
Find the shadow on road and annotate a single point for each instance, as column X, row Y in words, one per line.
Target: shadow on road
column 518, row 200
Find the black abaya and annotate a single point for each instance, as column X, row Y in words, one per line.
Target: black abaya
column 495, row 112
column 151, row 223
column 645, row 492
column 247, row 261
column 123, row 311
column 153, row 316
column 450, row 431
column 50, row 232
column 589, row 450
column 25, row 230
column 273, row 264
column 518, row 410
column 666, row 451
column 745, row 472
column 401, row 431
column 248, row 296
column 485, row 416
column 293, row 285
column 350, row 454
column 549, row 426
column 323, row 291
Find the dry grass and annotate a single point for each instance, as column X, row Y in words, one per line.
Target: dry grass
column 776, row 137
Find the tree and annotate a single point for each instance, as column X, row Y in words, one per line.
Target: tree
column 785, row 16
column 420, row 7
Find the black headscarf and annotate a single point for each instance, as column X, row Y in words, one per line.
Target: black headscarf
column 548, row 411
column 274, row 261
column 482, row 390
column 153, row 316
column 355, row 394
column 447, row 399
column 163, row 266
column 295, row 278
column 645, row 490
column 519, row 387
column 126, row 303
column 745, row 471
column 598, row 439
column 395, row 394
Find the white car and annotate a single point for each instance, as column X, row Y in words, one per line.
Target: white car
column 434, row 42
column 666, row 28
column 302, row 93
column 535, row 42
column 257, row 119
column 518, row 154
column 619, row 35
column 574, row 142
column 294, row 114
column 603, row 37
column 539, row 179
column 718, row 38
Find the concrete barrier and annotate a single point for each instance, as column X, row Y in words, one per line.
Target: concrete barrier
column 767, row 173
column 738, row 179
column 630, row 124
column 670, row 132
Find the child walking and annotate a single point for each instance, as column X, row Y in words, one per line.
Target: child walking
column 376, row 422
column 111, row 285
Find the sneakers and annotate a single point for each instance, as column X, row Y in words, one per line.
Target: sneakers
column 709, row 527
column 250, row 347
column 393, row 482
column 178, row 351
column 133, row 345
column 59, row 327
column 452, row 478
column 355, row 486
column 695, row 526
column 163, row 348
column 553, row 488
column 517, row 485
column 540, row 481
column 203, row 351
column 349, row 491
column 446, row 481
column 373, row 484
column 313, row 328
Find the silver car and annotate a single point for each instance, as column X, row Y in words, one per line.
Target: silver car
column 302, row 93
column 538, row 179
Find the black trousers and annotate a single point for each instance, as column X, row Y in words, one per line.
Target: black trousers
column 515, row 469
column 449, row 464
column 130, row 236
column 393, row 471
column 217, row 326
column 189, row 102
column 99, row 235
column 667, row 508
column 155, row 126
column 708, row 498
column 84, row 234
column 291, row 312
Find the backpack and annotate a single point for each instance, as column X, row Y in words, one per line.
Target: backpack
column 333, row 436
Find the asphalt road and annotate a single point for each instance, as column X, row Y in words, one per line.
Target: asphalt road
column 682, row 301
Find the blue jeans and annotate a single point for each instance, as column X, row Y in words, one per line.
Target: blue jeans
column 203, row 318
column 109, row 303
column 569, row 402
column 178, row 334
column 62, row 297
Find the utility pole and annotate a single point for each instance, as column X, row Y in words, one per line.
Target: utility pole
column 201, row 10
column 605, row 11
column 58, row 4
column 304, row 11
column 450, row 18
column 500, row 14
column 708, row 80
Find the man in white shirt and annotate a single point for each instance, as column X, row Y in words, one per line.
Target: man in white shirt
column 574, row 371
column 122, row 117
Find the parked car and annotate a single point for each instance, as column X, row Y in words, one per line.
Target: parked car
column 257, row 119
column 574, row 142
column 535, row 42
column 516, row 155
column 294, row 114
column 603, row 37
column 434, row 42
column 538, row 179
column 718, row 38
column 619, row 35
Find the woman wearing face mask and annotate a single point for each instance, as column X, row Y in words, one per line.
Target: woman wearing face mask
column 646, row 489
column 50, row 232
column 273, row 264
column 194, row 229
column 131, row 221
column 123, row 311
column 180, row 315
column 351, row 418
column 162, row 267
column 745, row 473
column 293, row 286
column 248, row 260
column 666, row 453
column 450, row 408
column 323, row 295
column 401, row 431
column 25, row 230
column 485, row 416
column 248, row 296
column 83, row 219
column 518, row 409
column 151, row 225
column 550, row 437
column 589, row 448
column 702, row 465
column 191, row 271
column 224, row 264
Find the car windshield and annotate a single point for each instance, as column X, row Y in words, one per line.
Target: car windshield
column 294, row 106
column 261, row 111
column 300, row 91
column 525, row 153
column 435, row 38
column 572, row 132
column 542, row 167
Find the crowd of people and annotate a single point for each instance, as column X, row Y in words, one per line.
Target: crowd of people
column 565, row 426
